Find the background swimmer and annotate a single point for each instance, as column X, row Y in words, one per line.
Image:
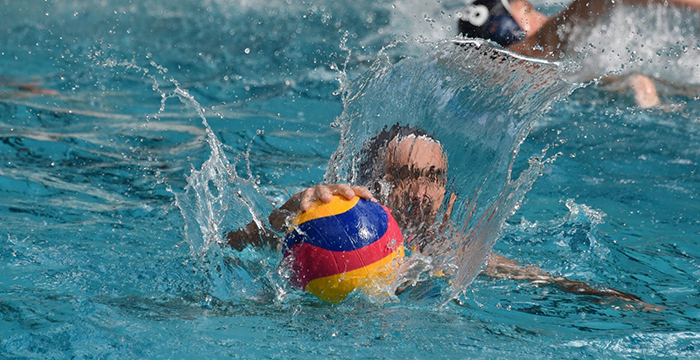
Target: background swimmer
column 23, row 90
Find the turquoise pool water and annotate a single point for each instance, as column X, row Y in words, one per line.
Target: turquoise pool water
column 175, row 123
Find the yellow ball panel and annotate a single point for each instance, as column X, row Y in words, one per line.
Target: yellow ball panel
column 336, row 288
column 337, row 206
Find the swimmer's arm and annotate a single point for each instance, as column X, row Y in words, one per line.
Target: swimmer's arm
column 34, row 88
column 280, row 218
column 502, row 267
column 693, row 4
column 257, row 236
column 252, row 235
column 551, row 38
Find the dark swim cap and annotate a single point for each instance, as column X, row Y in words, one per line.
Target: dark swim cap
column 492, row 20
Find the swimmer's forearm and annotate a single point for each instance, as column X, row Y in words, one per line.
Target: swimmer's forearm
column 581, row 288
column 501, row 267
column 279, row 218
column 551, row 39
column 252, row 235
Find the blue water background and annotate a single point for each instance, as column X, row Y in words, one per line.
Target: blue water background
column 176, row 122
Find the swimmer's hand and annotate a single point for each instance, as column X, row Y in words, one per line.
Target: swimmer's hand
column 280, row 218
column 325, row 194
column 303, row 201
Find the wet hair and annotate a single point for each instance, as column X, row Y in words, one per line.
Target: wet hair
column 371, row 165
column 490, row 20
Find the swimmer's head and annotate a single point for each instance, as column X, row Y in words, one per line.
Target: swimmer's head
column 406, row 168
column 416, row 170
column 492, row 20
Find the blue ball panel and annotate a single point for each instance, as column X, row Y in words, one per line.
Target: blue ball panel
column 356, row 228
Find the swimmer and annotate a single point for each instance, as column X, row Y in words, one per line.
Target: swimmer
column 518, row 26
column 25, row 90
column 407, row 168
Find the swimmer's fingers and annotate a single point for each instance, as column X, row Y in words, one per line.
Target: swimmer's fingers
column 318, row 192
column 343, row 190
column 363, row 192
column 325, row 194
column 308, row 197
column 347, row 192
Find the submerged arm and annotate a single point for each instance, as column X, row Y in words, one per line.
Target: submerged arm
column 25, row 89
column 502, row 267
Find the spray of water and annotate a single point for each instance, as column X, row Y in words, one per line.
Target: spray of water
column 215, row 200
column 659, row 41
column 480, row 103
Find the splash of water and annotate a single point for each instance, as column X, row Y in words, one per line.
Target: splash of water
column 660, row 41
column 217, row 200
column 480, row 103
column 216, row 193
column 214, row 201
